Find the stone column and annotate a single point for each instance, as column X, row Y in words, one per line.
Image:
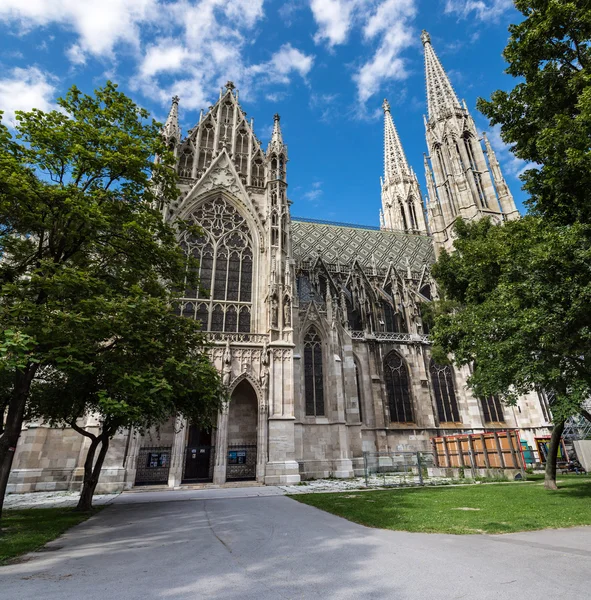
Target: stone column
column 221, row 447
column 131, row 461
column 175, row 474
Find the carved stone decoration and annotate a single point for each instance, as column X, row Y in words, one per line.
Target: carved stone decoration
column 274, row 311
column 227, row 369
column 286, row 312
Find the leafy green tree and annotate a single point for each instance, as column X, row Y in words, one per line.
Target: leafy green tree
column 153, row 368
column 546, row 117
column 80, row 219
column 516, row 306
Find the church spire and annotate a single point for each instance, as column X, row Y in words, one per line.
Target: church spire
column 441, row 98
column 395, row 163
column 171, row 130
column 461, row 185
column 402, row 205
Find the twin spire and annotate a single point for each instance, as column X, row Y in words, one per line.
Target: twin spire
column 395, row 163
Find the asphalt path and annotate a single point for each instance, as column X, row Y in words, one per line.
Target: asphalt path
column 255, row 544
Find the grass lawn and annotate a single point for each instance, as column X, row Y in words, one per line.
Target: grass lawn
column 484, row 508
column 26, row 530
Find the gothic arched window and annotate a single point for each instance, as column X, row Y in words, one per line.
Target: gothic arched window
column 313, row 380
column 445, row 394
column 398, row 389
column 359, row 391
column 492, row 409
column 225, row 256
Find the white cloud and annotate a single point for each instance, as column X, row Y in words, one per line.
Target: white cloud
column 185, row 47
column 24, row 89
column 99, row 25
column 283, row 63
column 489, row 10
column 315, row 193
column 334, row 19
column 386, row 27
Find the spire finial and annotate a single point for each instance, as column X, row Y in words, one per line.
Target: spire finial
column 276, row 118
column 425, row 37
column 386, row 105
column 230, row 85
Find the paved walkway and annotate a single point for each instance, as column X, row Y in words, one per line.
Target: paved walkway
column 248, row 544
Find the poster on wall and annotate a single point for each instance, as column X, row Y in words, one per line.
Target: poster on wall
column 543, row 444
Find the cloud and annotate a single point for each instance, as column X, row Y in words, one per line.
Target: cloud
column 314, row 194
column 386, row 28
column 489, row 10
column 100, row 26
column 185, row 47
column 334, row 19
column 24, row 89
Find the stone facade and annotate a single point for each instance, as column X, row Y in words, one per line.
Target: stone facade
column 316, row 328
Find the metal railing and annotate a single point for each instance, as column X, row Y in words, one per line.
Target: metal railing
column 247, row 338
column 393, row 469
column 386, row 336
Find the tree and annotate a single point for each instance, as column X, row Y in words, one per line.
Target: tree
column 517, row 300
column 80, row 194
column 546, row 117
column 152, row 369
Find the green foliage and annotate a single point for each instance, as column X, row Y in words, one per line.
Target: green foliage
column 519, row 308
column 88, row 265
column 547, row 115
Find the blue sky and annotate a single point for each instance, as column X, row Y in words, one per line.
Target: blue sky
column 324, row 65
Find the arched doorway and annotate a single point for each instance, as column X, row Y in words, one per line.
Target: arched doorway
column 242, row 433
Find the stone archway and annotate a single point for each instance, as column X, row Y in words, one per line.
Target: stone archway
column 242, row 433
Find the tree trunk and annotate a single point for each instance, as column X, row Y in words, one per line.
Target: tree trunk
column 13, row 425
column 550, row 477
column 92, row 471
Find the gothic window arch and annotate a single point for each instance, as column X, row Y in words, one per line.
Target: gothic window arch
column 225, row 255
column 492, row 409
column 313, row 374
column 445, row 393
column 398, row 389
column 469, row 146
column 359, row 388
column 186, row 162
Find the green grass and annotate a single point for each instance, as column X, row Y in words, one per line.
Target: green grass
column 27, row 530
column 501, row 508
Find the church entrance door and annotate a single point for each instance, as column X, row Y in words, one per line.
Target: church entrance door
column 242, row 433
column 198, row 456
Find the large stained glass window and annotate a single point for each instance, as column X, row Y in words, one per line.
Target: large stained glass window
column 445, row 394
column 398, row 389
column 225, row 255
column 313, row 381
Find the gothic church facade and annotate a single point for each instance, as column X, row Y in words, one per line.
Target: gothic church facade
column 316, row 327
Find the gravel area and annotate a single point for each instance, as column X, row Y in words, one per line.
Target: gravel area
column 51, row 499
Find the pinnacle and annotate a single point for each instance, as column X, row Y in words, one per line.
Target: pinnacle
column 171, row 130
column 425, row 37
column 276, row 143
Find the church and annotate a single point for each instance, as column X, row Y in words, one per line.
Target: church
column 316, row 327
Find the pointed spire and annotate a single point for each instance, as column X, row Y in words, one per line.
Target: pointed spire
column 395, row 163
column 276, row 143
column 171, row 130
column 441, row 98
